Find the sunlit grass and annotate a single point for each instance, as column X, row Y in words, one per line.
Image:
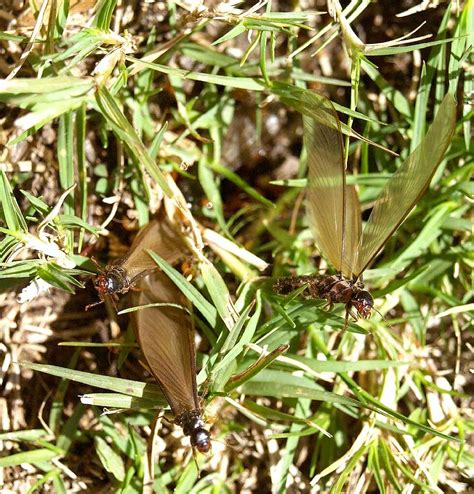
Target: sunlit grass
column 295, row 401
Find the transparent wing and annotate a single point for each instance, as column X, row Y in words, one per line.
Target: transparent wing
column 160, row 236
column 326, row 180
column 352, row 227
column 407, row 185
column 166, row 338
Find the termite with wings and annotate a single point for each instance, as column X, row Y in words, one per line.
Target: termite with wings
column 164, row 327
column 333, row 207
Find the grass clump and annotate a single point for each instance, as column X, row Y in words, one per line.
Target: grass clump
column 113, row 110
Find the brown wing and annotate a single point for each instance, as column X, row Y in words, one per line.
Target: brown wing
column 166, row 338
column 353, row 228
column 325, row 200
column 161, row 237
column 407, row 185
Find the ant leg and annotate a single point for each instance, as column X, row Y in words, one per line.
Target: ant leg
column 114, row 299
column 197, row 464
column 134, row 288
column 89, row 306
column 346, row 319
column 329, row 304
column 167, row 420
column 349, row 312
column 204, row 391
column 354, row 315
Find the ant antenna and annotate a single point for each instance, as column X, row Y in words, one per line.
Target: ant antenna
column 383, row 318
column 97, row 264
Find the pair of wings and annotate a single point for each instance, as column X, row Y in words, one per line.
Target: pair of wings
column 159, row 236
column 165, row 334
column 333, row 206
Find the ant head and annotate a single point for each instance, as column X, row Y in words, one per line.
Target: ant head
column 193, row 426
column 105, row 284
column 363, row 303
column 201, row 439
column 109, row 281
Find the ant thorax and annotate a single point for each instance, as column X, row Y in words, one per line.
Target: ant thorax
column 332, row 288
column 194, row 426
